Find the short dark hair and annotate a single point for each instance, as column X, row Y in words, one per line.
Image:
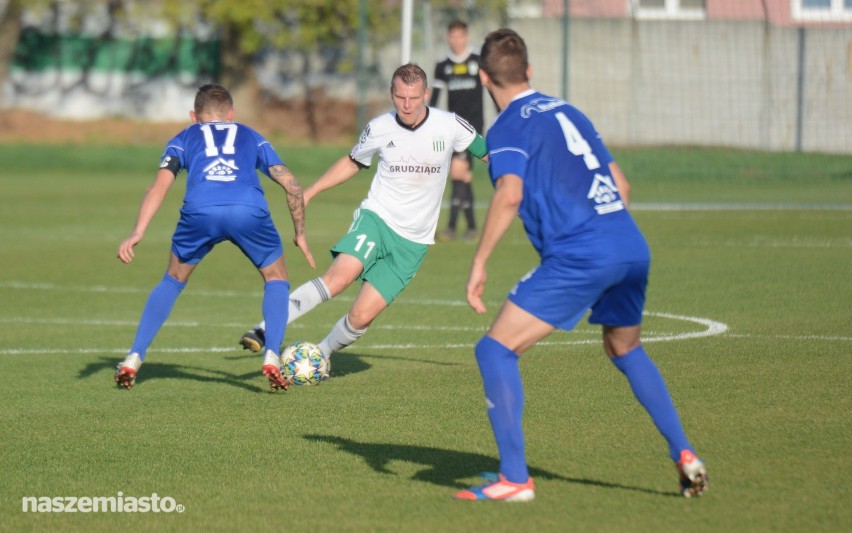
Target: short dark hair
column 410, row 74
column 213, row 98
column 504, row 57
column 457, row 25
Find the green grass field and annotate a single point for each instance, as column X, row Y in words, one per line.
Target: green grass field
column 749, row 320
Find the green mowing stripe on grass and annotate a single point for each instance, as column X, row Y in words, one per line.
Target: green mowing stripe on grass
column 132, row 163
column 696, row 178
column 712, row 176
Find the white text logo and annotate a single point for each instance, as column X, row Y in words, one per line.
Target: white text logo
column 100, row 504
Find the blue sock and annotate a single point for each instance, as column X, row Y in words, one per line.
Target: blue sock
column 504, row 395
column 276, row 301
column 157, row 309
column 650, row 389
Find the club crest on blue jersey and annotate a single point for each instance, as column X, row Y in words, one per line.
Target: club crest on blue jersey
column 540, row 105
column 221, row 170
column 605, row 194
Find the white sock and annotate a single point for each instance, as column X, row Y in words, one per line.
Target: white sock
column 305, row 298
column 340, row 336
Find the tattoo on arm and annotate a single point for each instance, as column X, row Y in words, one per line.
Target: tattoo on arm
column 295, row 200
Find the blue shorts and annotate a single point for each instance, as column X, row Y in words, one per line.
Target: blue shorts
column 250, row 228
column 560, row 293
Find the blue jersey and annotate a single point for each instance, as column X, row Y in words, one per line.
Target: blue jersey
column 221, row 159
column 571, row 207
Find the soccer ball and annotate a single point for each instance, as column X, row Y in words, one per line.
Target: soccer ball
column 302, row 363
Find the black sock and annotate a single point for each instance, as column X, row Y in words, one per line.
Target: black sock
column 455, row 204
column 467, row 205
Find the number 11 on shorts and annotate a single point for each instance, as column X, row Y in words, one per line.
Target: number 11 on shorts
column 361, row 240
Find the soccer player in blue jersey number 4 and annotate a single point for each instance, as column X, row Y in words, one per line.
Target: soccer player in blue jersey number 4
column 224, row 201
column 549, row 165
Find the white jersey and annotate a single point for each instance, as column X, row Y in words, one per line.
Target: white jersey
column 413, row 166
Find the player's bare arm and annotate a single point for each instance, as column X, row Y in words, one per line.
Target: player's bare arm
column 150, row 205
column 504, row 206
column 341, row 171
column 295, row 198
column 296, row 204
column 620, row 182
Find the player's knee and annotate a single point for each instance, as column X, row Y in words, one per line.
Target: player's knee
column 339, row 279
column 486, row 347
column 274, row 272
column 343, row 272
column 179, row 275
column 618, row 347
column 619, row 341
column 335, row 285
column 360, row 319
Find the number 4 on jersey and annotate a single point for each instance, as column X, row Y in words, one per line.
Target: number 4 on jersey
column 577, row 145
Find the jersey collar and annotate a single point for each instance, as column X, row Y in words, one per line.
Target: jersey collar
column 459, row 58
column 412, row 128
column 523, row 94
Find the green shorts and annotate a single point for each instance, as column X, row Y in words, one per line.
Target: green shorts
column 390, row 261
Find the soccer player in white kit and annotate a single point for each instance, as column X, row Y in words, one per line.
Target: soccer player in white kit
column 394, row 226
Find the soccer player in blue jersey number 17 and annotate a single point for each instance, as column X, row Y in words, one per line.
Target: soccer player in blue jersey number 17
column 549, row 165
column 224, row 201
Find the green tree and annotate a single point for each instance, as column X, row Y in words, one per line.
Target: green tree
column 298, row 26
column 246, row 27
column 10, row 30
column 468, row 10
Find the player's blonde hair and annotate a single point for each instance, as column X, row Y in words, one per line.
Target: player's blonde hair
column 410, row 74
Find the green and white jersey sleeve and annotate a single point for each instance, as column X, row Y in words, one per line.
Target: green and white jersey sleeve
column 413, row 166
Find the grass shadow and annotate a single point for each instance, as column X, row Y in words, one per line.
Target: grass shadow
column 173, row 371
column 449, row 468
column 353, row 362
column 345, row 363
column 342, row 363
column 412, row 360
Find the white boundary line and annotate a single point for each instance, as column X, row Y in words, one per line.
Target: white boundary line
column 730, row 206
column 713, row 206
column 712, row 327
column 409, row 346
column 21, row 285
column 240, row 325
